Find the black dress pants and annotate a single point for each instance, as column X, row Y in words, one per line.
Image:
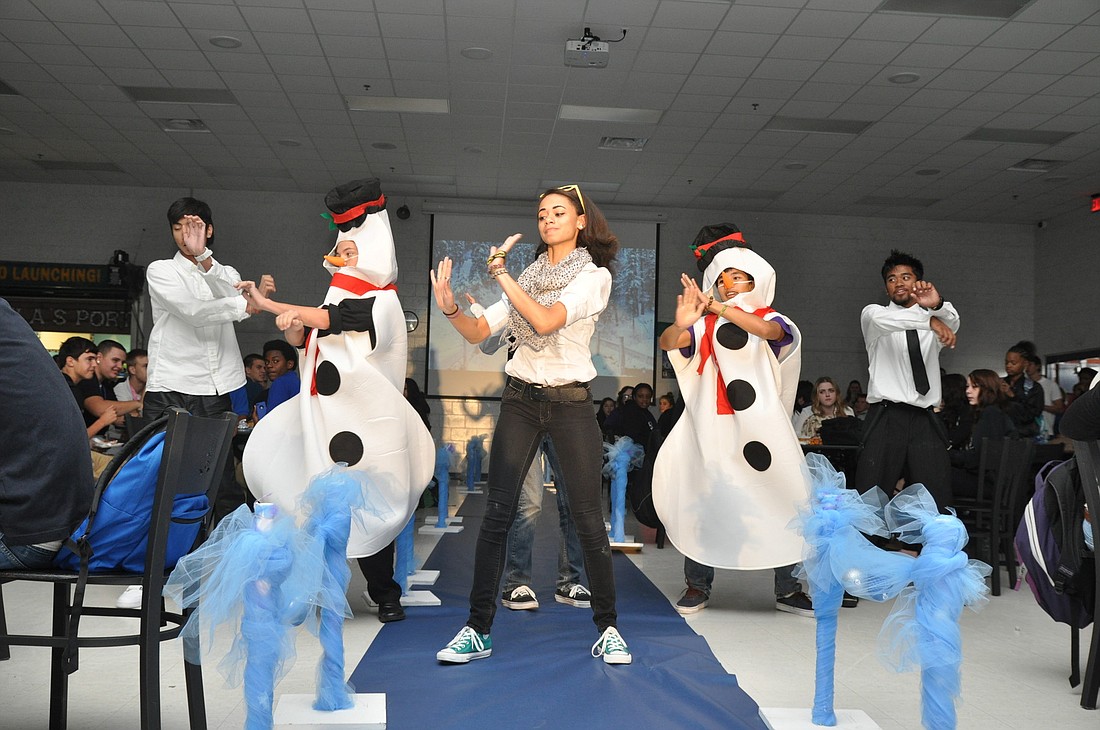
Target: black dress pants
column 378, row 570
column 903, row 441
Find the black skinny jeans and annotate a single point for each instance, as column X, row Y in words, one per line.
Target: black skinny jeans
column 523, row 424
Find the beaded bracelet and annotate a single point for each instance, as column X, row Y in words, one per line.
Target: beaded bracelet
column 497, row 271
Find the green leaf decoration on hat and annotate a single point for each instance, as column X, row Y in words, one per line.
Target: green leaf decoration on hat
column 331, row 223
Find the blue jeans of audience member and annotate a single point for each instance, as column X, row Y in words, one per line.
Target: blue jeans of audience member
column 24, row 557
column 701, row 577
column 521, row 537
column 525, row 420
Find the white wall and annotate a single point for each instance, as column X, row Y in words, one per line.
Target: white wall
column 1067, row 257
column 828, row 268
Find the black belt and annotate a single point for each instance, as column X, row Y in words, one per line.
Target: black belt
column 903, row 406
column 569, row 393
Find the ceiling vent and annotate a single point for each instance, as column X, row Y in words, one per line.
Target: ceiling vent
column 182, row 125
column 634, row 144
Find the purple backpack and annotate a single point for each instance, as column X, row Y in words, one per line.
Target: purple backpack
column 1050, row 542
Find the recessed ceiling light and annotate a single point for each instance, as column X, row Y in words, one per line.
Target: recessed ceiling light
column 383, row 145
column 289, row 143
column 608, row 114
column 476, row 53
column 397, row 104
column 795, row 166
column 906, row 77
column 225, row 41
column 927, row 172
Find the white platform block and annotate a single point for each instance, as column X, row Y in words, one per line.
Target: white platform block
column 475, row 490
column 420, row 598
column 800, row 718
column 423, row 578
column 432, row 530
column 431, row 520
column 627, row 546
column 295, row 712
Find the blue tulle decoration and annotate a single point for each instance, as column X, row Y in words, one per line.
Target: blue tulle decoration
column 404, row 564
column 443, row 482
column 621, row 456
column 833, row 510
column 923, row 629
column 257, row 576
column 329, row 503
column 475, row 451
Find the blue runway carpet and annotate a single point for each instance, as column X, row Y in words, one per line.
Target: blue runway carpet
column 541, row 674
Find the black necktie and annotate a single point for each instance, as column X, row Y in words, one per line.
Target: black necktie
column 920, row 375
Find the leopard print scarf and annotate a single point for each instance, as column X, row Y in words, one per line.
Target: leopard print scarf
column 544, row 283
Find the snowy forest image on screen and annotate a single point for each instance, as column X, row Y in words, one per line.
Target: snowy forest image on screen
column 622, row 348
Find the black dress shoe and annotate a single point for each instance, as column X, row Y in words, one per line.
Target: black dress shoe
column 390, row 611
column 849, row 601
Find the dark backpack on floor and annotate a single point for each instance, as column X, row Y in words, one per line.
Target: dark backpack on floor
column 1050, row 542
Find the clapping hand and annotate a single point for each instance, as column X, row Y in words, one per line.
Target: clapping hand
column 691, row 304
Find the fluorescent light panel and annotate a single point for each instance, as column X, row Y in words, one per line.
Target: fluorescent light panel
column 1018, row 136
column 608, row 114
column 810, row 125
column 397, row 104
column 80, row 166
column 1000, row 9
column 163, row 95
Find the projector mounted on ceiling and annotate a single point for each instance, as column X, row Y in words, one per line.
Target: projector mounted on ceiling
column 589, row 51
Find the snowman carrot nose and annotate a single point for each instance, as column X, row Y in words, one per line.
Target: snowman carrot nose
column 336, row 260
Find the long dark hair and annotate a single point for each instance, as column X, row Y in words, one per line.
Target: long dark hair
column 989, row 389
column 596, row 236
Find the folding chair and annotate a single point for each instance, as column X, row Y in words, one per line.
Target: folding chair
column 195, row 450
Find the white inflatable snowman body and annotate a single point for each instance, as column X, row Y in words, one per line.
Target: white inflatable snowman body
column 351, row 407
column 730, row 475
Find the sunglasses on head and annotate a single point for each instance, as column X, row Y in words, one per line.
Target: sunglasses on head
column 569, row 189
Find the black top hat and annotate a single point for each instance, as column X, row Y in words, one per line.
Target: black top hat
column 712, row 239
column 353, row 201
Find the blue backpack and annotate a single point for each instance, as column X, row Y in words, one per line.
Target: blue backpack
column 120, row 522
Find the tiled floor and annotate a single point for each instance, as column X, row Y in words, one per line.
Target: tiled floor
column 1014, row 675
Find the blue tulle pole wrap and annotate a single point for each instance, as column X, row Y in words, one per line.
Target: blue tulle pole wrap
column 329, row 502
column 620, row 457
column 443, row 482
column 474, row 453
column 923, row 629
column 256, row 577
column 404, row 565
column 832, row 510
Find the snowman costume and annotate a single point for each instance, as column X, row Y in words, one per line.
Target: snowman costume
column 728, row 478
column 351, row 407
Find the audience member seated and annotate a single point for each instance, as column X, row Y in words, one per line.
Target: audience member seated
column 77, row 356
column 803, row 396
column 860, row 406
column 985, row 394
column 46, row 471
column 665, row 402
column 137, row 373
column 1025, row 393
column 282, row 370
column 825, row 403
column 1053, row 400
column 607, row 405
column 255, row 371
column 1084, row 382
column 633, row 418
column 855, row 389
column 97, row 393
column 956, row 413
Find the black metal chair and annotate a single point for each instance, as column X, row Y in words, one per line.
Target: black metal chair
column 1088, row 466
column 195, row 450
column 1003, row 468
